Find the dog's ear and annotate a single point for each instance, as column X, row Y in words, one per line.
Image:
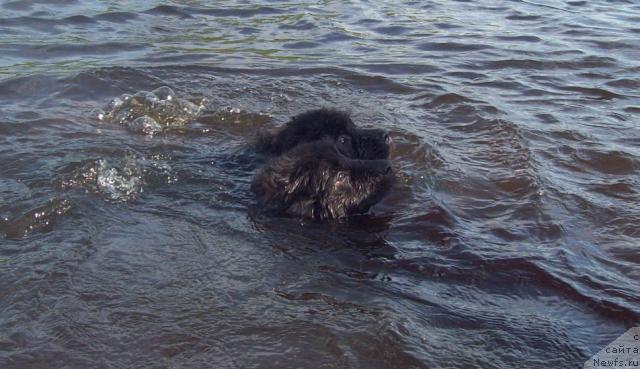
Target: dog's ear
column 298, row 181
column 303, row 191
column 283, row 181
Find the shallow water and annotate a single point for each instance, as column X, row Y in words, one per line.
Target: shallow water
column 510, row 239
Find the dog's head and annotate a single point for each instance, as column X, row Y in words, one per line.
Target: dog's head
column 365, row 144
column 314, row 125
column 317, row 180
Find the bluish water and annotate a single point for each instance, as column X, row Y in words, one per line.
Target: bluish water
column 510, row 240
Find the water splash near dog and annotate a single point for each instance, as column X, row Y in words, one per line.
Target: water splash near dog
column 150, row 113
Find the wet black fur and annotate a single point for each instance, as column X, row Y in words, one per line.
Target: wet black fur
column 313, row 125
column 316, row 180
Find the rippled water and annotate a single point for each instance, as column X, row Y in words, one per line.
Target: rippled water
column 510, row 240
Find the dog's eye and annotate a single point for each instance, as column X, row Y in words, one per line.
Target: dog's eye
column 343, row 139
column 341, row 177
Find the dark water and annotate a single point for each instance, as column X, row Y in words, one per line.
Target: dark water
column 510, row 241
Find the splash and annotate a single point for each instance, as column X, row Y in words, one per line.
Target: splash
column 119, row 179
column 150, row 113
column 119, row 183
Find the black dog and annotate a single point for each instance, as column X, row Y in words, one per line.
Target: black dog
column 317, row 180
column 354, row 142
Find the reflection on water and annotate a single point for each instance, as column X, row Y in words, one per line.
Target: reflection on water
column 129, row 236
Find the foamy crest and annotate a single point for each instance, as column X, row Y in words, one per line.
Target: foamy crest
column 149, row 112
column 119, row 179
column 118, row 183
column 145, row 124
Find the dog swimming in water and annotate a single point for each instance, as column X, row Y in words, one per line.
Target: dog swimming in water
column 323, row 167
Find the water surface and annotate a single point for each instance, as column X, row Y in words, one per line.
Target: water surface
column 510, row 240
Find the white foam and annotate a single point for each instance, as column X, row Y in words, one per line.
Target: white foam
column 121, row 179
column 149, row 112
column 144, row 124
column 119, row 184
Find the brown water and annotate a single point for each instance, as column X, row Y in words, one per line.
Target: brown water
column 511, row 239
